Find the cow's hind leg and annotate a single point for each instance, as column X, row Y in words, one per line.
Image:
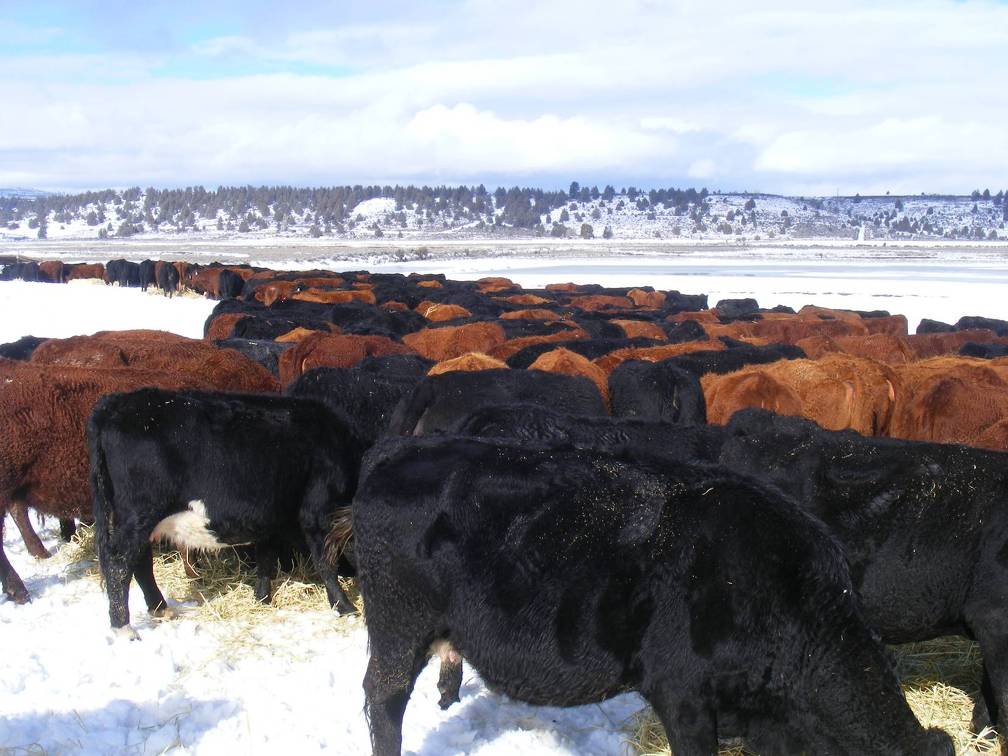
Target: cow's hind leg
column 117, row 574
column 143, row 571
column 13, row 588
column 450, row 677
column 68, row 528
column 392, row 672
column 689, row 722
column 266, row 570
column 19, row 513
column 315, row 519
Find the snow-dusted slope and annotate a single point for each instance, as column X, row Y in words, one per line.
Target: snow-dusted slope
column 461, row 213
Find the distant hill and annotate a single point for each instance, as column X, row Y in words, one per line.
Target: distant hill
column 474, row 212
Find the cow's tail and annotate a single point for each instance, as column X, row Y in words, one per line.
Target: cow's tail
column 340, row 533
column 101, row 494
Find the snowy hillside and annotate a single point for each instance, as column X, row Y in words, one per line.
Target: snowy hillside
column 446, row 213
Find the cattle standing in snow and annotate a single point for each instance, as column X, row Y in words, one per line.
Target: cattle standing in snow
column 565, row 577
column 925, row 527
column 206, row 470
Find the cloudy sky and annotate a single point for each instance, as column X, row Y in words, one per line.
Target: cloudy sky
column 779, row 96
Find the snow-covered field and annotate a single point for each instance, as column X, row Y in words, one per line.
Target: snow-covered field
column 294, row 684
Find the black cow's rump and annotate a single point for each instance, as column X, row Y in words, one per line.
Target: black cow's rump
column 565, row 577
column 212, row 469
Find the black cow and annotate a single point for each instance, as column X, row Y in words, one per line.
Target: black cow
column 934, row 326
column 532, row 424
column 440, row 401
column 207, row 470
column 984, row 351
column 590, row 348
column 736, row 357
column 925, row 526
column 656, row 390
column 266, row 353
column 737, row 309
column 25, row 271
column 366, row 398
column 566, row 577
column 146, row 273
column 22, row 348
column 123, row 272
column 229, row 285
column 167, row 279
column 976, row 322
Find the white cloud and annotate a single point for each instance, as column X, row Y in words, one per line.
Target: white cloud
column 779, row 97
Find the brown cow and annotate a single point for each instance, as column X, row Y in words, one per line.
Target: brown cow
column 493, row 284
column 44, row 465
column 334, row 296
column 601, row 302
column 83, row 271
column 438, row 312
column 837, row 391
column 452, row 341
column 926, row 345
column 334, row 350
column 159, row 351
column 570, row 363
column 647, row 300
column 951, row 400
column 636, row 328
column 469, row 362
column 52, row 271
column 222, row 326
column 524, row 299
column 882, row 347
column 515, row 345
column 656, row 353
column 533, row 314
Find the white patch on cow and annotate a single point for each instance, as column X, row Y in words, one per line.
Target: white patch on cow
column 190, row 528
column 445, row 651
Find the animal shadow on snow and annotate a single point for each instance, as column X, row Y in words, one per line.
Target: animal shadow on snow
column 119, row 727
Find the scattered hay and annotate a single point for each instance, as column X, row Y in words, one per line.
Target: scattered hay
column 79, row 557
column 222, row 597
column 941, row 679
column 224, row 589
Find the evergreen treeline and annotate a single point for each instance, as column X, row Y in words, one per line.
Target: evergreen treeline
column 329, row 207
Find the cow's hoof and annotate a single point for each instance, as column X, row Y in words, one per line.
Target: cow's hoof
column 127, row 632
column 447, row 699
column 17, row 593
column 165, row 613
column 981, row 718
column 40, row 553
column 344, row 609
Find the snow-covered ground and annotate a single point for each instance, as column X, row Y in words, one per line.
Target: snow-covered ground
column 289, row 686
column 294, row 684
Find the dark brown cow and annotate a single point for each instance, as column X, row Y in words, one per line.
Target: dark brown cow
column 85, row 271
column 44, row 465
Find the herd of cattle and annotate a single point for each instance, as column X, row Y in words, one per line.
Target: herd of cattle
column 580, row 490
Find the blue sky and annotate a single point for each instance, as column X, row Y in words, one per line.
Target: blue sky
column 780, row 96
